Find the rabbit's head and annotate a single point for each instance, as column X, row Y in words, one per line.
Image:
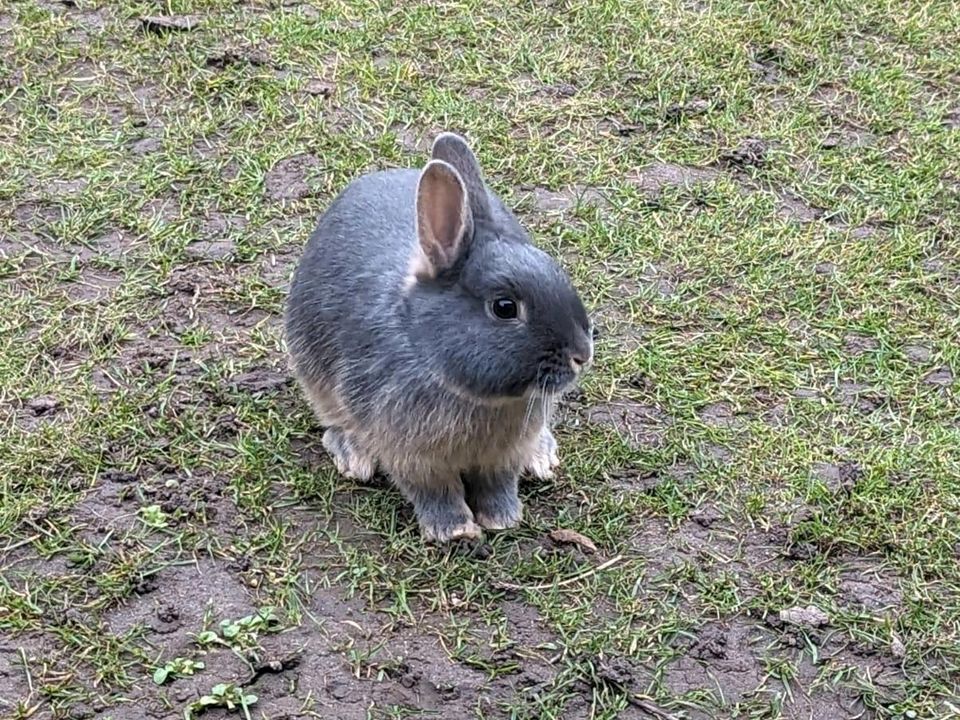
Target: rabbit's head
column 495, row 316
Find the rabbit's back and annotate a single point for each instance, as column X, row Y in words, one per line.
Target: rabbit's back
column 361, row 243
column 346, row 288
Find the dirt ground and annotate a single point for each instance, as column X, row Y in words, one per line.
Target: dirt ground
column 758, row 504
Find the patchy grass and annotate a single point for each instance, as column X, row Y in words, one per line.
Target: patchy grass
column 759, row 201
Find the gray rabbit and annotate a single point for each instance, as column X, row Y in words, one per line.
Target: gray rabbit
column 433, row 339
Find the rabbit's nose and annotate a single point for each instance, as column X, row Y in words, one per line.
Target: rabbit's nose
column 579, row 359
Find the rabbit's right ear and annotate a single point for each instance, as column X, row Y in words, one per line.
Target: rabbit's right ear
column 443, row 220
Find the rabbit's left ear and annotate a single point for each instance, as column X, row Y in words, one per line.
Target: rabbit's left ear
column 443, row 219
column 453, row 149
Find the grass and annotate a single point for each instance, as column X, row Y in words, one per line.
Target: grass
column 771, row 422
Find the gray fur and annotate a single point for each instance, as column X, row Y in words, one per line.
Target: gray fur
column 414, row 373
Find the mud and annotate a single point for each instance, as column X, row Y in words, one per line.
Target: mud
column 866, row 585
column 854, row 344
column 720, row 414
column 289, row 178
column 654, row 178
column 794, row 208
column 751, row 153
column 548, row 202
column 637, row 424
column 859, row 396
column 838, row 477
column 942, row 377
column 917, row 353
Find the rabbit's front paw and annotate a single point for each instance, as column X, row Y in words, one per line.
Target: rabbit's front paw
column 445, row 532
column 500, row 518
column 494, row 500
column 545, row 456
column 498, row 509
column 442, row 521
column 440, row 509
column 350, row 463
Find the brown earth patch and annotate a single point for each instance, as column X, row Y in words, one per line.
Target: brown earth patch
column 290, row 178
column 656, row 177
column 639, row 425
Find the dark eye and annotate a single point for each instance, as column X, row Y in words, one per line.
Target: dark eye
column 505, row 308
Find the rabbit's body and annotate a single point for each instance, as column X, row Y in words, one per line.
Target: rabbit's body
column 389, row 347
column 403, row 424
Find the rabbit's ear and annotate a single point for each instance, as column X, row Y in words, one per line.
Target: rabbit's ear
column 443, row 219
column 453, row 149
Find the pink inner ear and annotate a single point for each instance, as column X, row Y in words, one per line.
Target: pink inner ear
column 441, row 214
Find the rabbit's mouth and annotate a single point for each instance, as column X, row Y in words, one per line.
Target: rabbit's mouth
column 554, row 381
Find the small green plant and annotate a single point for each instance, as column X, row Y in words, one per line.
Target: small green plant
column 178, row 667
column 242, row 633
column 153, row 516
column 264, row 620
column 225, row 695
column 208, row 638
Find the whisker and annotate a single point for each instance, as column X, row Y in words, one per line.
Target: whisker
column 544, row 404
column 530, row 400
column 544, row 397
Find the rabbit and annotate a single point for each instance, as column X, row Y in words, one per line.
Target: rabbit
column 433, row 340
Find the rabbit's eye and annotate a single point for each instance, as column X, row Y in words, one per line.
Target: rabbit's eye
column 505, row 308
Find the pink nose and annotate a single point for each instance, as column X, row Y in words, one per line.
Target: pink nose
column 579, row 360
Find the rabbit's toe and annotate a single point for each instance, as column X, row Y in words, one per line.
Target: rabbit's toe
column 349, row 462
column 438, row 502
column 501, row 517
column 492, row 495
column 443, row 532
